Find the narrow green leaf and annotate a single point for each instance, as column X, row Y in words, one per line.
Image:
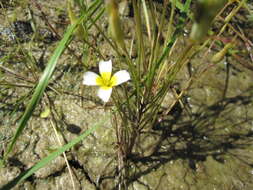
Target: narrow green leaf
column 180, row 5
column 40, row 88
column 187, row 5
column 50, row 157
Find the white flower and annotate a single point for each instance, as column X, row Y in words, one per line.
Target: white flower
column 105, row 81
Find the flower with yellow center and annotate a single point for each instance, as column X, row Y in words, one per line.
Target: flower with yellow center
column 105, row 81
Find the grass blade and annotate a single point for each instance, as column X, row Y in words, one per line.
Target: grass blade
column 40, row 88
column 50, row 157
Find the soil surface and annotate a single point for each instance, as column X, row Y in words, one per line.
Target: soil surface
column 205, row 142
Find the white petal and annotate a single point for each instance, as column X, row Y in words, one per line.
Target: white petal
column 105, row 66
column 89, row 78
column 104, row 94
column 121, row 76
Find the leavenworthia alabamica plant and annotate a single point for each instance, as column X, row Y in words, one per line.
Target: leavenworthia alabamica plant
column 105, row 81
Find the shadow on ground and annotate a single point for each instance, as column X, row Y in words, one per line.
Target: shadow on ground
column 218, row 132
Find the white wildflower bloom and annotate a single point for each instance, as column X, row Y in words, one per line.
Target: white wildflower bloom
column 105, row 66
column 104, row 94
column 105, row 80
column 89, row 78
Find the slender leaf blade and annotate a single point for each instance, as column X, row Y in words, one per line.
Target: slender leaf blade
column 24, row 175
column 40, row 88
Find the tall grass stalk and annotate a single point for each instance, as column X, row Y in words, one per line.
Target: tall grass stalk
column 47, row 74
column 41, row 86
column 154, row 70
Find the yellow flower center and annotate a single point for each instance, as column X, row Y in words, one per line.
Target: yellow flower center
column 105, row 81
